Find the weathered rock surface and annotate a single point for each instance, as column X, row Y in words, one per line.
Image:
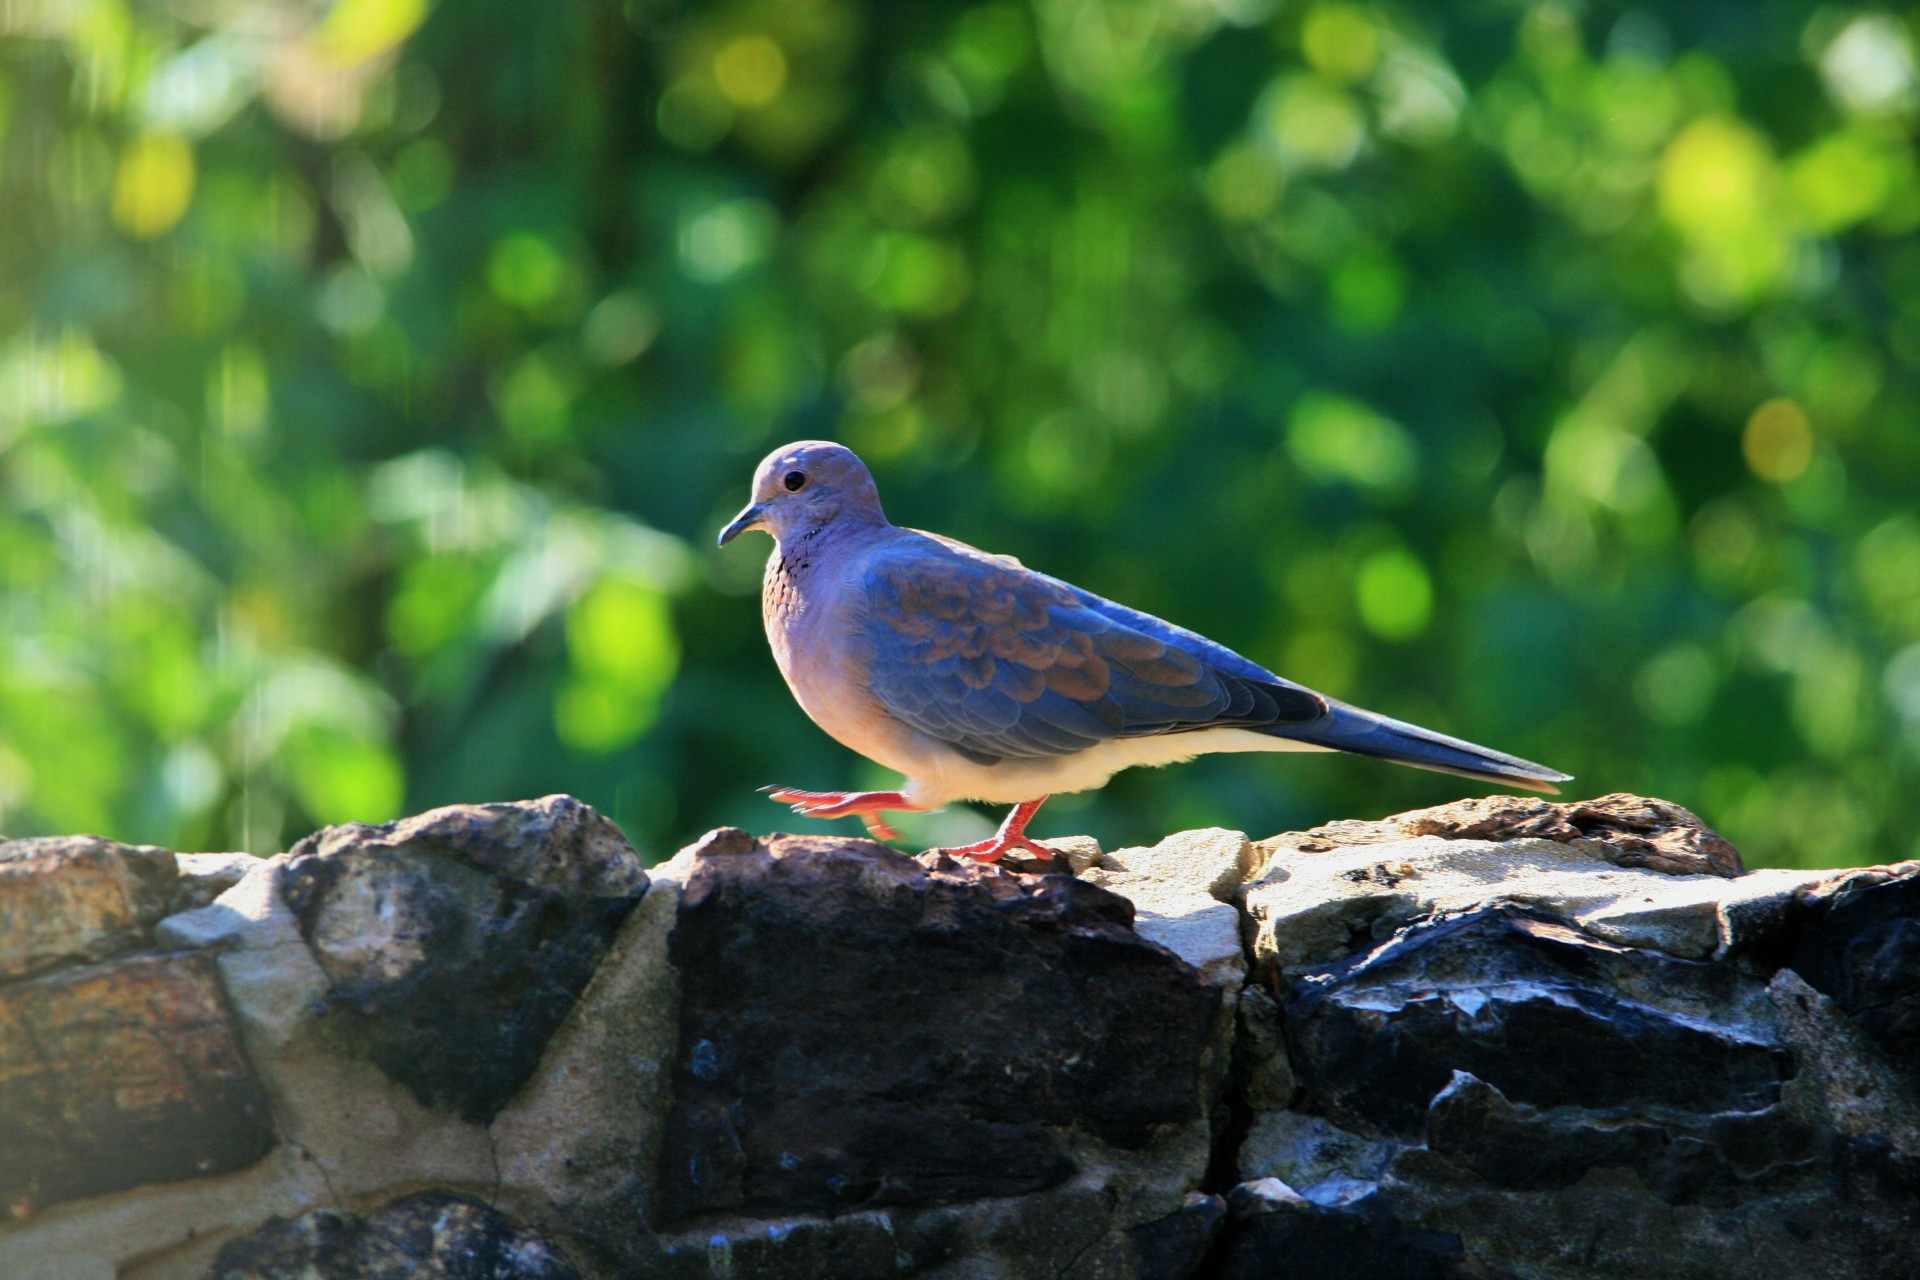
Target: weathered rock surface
column 205, row 876
column 119, row 1073
column 424, row 1237
column 1503, row 1038
column 1570, row 1065
column 1861, row 946
column 1183, row 891
column 1627, row 830
column 455, row 942
column 1014, row 1006
column 74, row 898
column 1314, row 896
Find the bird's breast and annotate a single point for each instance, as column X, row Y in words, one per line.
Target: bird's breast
column 819, row 650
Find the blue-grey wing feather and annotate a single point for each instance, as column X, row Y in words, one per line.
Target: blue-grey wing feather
column 1004, row 663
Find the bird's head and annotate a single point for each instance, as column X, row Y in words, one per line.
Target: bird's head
column 808, row 485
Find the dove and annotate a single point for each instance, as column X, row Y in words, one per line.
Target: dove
column 980, row 679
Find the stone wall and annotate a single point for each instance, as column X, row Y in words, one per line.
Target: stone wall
column 1500, row 1038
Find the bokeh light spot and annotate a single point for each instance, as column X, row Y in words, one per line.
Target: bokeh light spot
column 1243, row 183
column 619, row 328
column 1901, row 681
column 1675, row 687
column 624, row 654
column 1869, row 66
column 725, row 239
column 1394, row 594
column 153, row 186
column 534, row 399
column 1340, row 41
column 355, row 30
column 1333, row 438
column 693, row 115
column 1778, row 441
column 1315, row 124
column 916, row 274
column 1365, row 291
column 750, row 70
column 1714, row 177
column 47, row 382
column 1844, row 178
column 525, row 270
column 342, row 777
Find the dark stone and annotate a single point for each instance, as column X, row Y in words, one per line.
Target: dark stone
column 858, row 1029
column 430, row 1236
column 456, row 941
column 1682, row 1157
column 878, row 1245
column 1546, row 1014
column 1358, row 1240
column 1860, row 944
column 120, row 1073
column 1172, row 1248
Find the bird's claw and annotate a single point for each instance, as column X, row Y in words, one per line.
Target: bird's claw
column 996, row 847
column 866, row 805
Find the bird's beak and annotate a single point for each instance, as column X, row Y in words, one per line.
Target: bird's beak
column 750, row 518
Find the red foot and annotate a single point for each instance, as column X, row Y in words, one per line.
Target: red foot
column 866, row 805
column 1011, row 835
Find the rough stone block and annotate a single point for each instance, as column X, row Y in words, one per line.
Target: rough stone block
column 860, row 1029
column 430, row 1236
column 455, row 942
column 120, row 1073
column 1860, row 944
column 76, row 898
column 205, row 876
column 1551, row 1015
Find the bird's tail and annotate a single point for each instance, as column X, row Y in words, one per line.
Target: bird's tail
column 1364, row 733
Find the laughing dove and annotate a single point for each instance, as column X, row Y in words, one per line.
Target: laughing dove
column 980, row 679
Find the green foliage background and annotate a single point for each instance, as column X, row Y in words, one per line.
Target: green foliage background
column 375, row 374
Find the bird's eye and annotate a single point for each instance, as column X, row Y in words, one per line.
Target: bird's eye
column 794, row 479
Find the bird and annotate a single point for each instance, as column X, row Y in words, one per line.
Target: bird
column 980, row 679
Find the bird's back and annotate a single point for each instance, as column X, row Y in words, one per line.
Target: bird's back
column 1001, row 662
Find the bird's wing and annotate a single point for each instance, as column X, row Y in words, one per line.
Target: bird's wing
column 1004, row 663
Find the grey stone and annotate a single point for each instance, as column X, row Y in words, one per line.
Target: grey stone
column 1184, row 919
column 1305, row 1151
column 454, row 943
column 1260, row 1053
column 1845, row 1082
column 205, row 876
column 1313, row 900
column 1080, row 852
column 1210, row 859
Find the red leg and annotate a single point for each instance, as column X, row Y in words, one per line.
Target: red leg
column 846, row 804
column 1011, row 835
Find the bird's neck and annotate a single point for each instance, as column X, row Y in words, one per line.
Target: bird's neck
column 801, row 550
column 805, row 558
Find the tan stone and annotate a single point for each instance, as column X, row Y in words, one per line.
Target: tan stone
column 119, row 1073
column 68, row 898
